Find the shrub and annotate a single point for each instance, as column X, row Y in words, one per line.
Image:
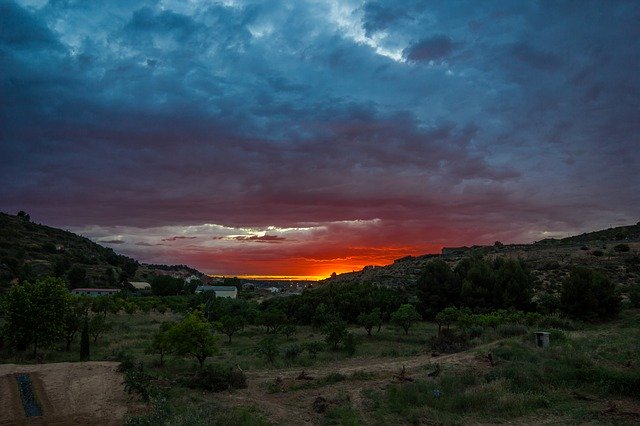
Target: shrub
column 350, row 344
column 621, row 248
column 267, row 349
column 475, row 331
column 292, row 352
column 597, row 253
column 216, row 378
column 511, row 330
column 313, row 348
column 448, row 341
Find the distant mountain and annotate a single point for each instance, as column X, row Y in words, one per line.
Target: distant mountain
column 550, row 259
column 29, row 251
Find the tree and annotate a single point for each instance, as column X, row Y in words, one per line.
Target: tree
column 35, row 313
column 273, row 319
column 77, row 276
column 405, row 316
column 438, row 287
column 192, row 336
column 84, row 340
column 73, row 319
column 229, row 325
column 515, row 284
column 98, row 326
column 166, row 285
column 589, row 295
column 161, row 342
column 335, row 331
column 368, row 321
column 268, row 349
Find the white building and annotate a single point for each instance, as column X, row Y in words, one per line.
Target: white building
column 140, row 285
column 220, row 290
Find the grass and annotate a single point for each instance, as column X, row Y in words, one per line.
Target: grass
column 600, row 362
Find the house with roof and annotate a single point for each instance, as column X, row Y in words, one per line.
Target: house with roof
column 95, row 292
column 219, row 290
column 140, row 285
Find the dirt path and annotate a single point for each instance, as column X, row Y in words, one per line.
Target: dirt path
column 69, row 393
column 296, row 406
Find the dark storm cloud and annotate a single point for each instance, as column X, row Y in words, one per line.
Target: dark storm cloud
column 432, row 49
column 467, row 120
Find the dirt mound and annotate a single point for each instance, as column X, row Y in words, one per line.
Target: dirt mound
column 68, row 393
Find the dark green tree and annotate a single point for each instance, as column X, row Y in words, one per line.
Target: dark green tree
column 335, row 331
column 165, row 285
column 35, row 313
column 589, row 295
column 368, row 321
column 405, row 317
column 438, row 287
column 77, row 276
column 192, row 337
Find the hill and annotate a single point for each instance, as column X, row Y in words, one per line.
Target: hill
column 29, row 250
column 616, row 251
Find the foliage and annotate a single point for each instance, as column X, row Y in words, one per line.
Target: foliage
column 216, row 379
column 438, row 287
column 166, row 285
column 98, row 325
column 161, row 341
column 229, row 325
column 288, row 330
column 405, row 316
column 368, row 321
column 335, row 331
column 192, row 337
column 313, row 348
column 273, row 319
column 350, row 344
column 475, row 283
column 35, row 313
column 621, row 248
column 268, row 349
column 589, row 295
column 291, row 352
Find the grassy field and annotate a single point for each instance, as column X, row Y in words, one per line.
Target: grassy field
column 589, row 375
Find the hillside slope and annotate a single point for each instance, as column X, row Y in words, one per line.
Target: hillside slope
column 29, row 251
column 550, row 259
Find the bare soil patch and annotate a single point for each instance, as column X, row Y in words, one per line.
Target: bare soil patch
column 296, row 406
column 68, row 393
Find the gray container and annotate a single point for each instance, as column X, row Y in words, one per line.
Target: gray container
column 542, row 339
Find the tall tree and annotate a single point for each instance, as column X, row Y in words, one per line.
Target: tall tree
column 35, row 313
column 405, row 316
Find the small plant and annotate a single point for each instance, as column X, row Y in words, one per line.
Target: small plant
column 313, row 348
column 511, row 330
column 350, row 344
column 292, row 352
column 597, row 253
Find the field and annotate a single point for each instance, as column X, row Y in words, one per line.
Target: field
column 588, row 375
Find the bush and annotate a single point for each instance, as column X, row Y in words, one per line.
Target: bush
column 216, row 379
column 449, row 341
column 475, row 331
column 292, row 352
column 511, row 330
column 621, row 248
column 313, row 348
column 597, row 253
column 350, row 344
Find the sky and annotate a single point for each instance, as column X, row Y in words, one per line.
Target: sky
column 299, row 138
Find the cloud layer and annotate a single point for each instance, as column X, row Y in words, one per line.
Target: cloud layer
column 426, row 124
